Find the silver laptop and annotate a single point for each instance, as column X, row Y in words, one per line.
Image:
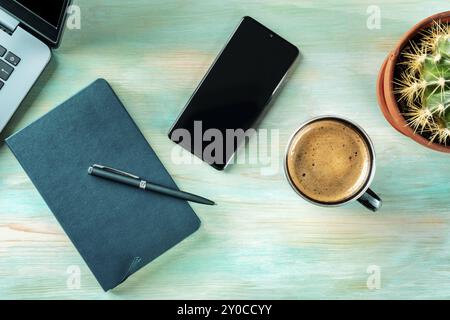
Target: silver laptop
column 29, row 29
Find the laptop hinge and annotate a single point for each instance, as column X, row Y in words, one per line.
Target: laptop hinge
column 7, row 22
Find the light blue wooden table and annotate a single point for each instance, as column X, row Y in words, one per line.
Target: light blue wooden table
column 262, row 241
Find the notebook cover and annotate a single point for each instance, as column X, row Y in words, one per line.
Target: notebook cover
column 116, row 229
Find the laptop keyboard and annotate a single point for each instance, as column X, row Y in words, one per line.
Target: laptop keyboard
column 8, row 61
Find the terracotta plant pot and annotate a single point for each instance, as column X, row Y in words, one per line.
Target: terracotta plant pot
column 385, row 86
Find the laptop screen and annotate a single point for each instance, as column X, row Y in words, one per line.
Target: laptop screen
column 43, row 18
column 50, row 12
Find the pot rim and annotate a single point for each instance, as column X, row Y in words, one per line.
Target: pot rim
column 382, row 99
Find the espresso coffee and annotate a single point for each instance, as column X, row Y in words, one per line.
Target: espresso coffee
column 329, row 161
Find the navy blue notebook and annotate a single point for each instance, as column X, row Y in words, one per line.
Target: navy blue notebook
column 115, row 228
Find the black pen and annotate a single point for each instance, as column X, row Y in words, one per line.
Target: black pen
column 134, row 181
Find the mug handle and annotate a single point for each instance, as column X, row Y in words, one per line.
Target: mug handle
column 371, row 200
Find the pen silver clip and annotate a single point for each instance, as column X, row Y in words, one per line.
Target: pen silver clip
column 122, row 173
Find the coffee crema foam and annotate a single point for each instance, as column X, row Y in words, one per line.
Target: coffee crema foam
column 329, row 161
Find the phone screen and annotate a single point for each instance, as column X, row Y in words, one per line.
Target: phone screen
column 234, row 93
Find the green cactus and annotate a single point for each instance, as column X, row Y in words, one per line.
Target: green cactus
column 424, row 84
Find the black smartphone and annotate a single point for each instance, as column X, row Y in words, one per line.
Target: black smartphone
column 234, row 93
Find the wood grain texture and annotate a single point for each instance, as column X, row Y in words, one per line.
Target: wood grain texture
column 262, row 241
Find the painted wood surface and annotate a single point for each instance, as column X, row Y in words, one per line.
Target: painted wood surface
column 262, row 240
